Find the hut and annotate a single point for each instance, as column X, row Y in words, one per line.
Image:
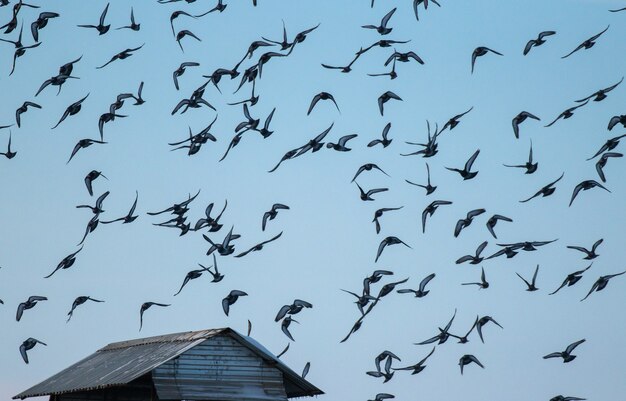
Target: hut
column 217, row 364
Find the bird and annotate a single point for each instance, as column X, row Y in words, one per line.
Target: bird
column 82, row 144
column 367, row 196
column 322, row 96
column 340, row 146
column 379, row 213
column 587, row 44
column 483, row 284
column 531, row 286
column 259, row 246
column 418, row 2
column 384, row 98
column 421, row 291
column 180, row 35
column 562, row 398
column 292, row 309
column 403, row 58
column 97, row 209
column 124, row 54
column 567, row 113
column 285, row 44
column 467, row 359
column 90, row 177
column 428, row 187
column 217, row 276
column 225, row 248
column 601, row 283
column 520, row 118
column 572, row 279
column 453, row 122
column 430, row 210
column 388, row 357
column 66, row 263
column 383, row 396
column 589, row 254
column 567, row 354
column 481, row 51
column 181, row 70
column 473, row 259
column 101, row 28
column 483, row 321
column 493, row 220
column 443, row 335
column 368, row 167
column 584, row 186
column 79, row 301
column 272, row 213
column 9, row 154
column 40, row 23
column 305, row 371
column 600, row 94
column 601, row 163
column 283, row 351
column 463, row 223
column 28, row 304
column 71, row 110
column 27, row 345
column 144, row 307
column 546, row 190
column 23, row 109
column 464, row 339
column 384, row 141
column 621, row 119
column 133, row 25
column 129, row 218
column 382, row 28
column 284, row 326
column 466, row 173
column 91, row 227
column 392, row 74
column 230, row 299
column 537, row 42
column 418, row 367
column 391, row 240
column 608, row 145
column 529, row 165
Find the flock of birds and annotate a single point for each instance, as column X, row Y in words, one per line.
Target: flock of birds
column 248, row 70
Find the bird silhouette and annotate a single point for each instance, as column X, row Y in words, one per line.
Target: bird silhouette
column 28, row 304
column 537, row 42
column 483, row 284
column 382, row 28
column 467, row 221
column 531, row 286
column 430, row 210
column 27, row 345
column 473, row 259
column 101, row 28
column 481, row 51
column 467, row 359
column 584, row 186
column 520, row 118
column 567, row 354
column 144, row 307
column 421, row 291
column 601, row 283
column 546, row 190
column 572, row 279
column 587, row 44
column 590, row 254
column 466, row 173
column 79, row 301
column 529, row 165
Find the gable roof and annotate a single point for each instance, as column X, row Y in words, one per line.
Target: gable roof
column 122, row 362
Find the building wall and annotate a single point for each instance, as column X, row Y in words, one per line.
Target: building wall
column 219, row 369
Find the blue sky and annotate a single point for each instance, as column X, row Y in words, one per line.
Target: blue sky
column 328, row 241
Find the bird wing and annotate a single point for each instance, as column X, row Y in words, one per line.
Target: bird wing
column 104, row 14
column 316, row 99
column 226, row 305
column 425, row 281
column 571, row 347
column 480, row 248
column 552, row 355
column 577, row 189
column 468, row 164
column 23, row 353
column 475, row 360
column 283, row 312
column 459, row 226
column 594, row 37
column 386, row 18
column 381, row 247
column 529, row 46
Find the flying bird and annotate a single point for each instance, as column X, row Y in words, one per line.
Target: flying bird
column 567, row 113
column 368, row 167
column 587, row 44
column 546, row 190
column 529, row 165
column 473, row 259
column 184, row 33
column 79, row 301
column 28, row 304
column 295, row 308
column 537, row 42
column 589, row 254
column 89, row 178
column 608, row 145
column 466, row 173
column 467, row 359
column 9, row 154
column 463, row 223
column 133, row 25
column 600, row 94
column 181, row 70
column 386, row 242
column 430, row 210
column 416, row 3
column 384, row 141
column 379, row 213
column 124, row 54
column 481, row 51
column 322, row 96
column 66, row 263
column 572, row 279
column 71, row 110
column 230, row 299
column 101, row 28
column 531, row 286
column 421, row 291
column 82, row 144
column 259, row 246
column 272, row 213
column 453, row 122
column 601, row 283
column 384, row 98
column 340, row 146
column 97, row 209
column 520, row 118
column 584, row 186
column 40, row 23
column 428, row 187
column 382, row 28
column 483, row 321
column 144, row 307
column 23, row 109
column 483, row 284
column 567, row 354
column 601, row 163
column 27, row 346
column 367, row 196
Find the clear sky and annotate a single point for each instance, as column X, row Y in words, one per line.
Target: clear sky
column 329, row 242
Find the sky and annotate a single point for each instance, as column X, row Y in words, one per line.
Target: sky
column 328, row 241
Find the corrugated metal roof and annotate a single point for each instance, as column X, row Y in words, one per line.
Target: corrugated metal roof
column 122, row 362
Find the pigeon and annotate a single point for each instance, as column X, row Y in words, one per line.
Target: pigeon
column 531, row 286
column 463, row 223
column 421, row 291
column 481, row 51
column 28, row 345
column 384, row 98
column 389, row 241
column 483, row 281
column 601, row 283
column 144, row 307
column 546, row 190
column 483, row 321
column 601, row 163
column 520, row 118
column 430, row 210
column 493, row 220
column 567, row 354
column 466, row 173
column 537, row 42
column 467, row 359
column 572, row 279
column 272, row 213
column 230, row 299
column 418, row 367
column 589, row 254
column 28, row 304
column 79, row 301
column 584, row 186
column 587, row 44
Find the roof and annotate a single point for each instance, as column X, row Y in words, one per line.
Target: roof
column 122, row 362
